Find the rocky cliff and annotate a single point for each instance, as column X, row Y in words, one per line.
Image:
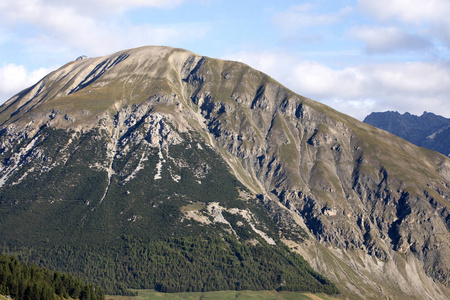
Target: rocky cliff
column 428, row 130
column 362, row 206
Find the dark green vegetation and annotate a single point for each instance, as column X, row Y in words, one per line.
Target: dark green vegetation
column 190, row 264
column 137, row 237
column 24, row 282
column 50, row 198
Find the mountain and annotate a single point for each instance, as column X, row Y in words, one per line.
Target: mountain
column 140, row 165
column 428, row 130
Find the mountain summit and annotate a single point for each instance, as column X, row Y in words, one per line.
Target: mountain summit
column 158, row 155
column 428, row 130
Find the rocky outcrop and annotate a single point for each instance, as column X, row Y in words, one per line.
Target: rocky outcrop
column 428, row 130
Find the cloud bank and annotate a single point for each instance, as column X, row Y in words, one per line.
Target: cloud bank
column 14, row 78
column 361, row 89
column 95, row 27
column 389, row 39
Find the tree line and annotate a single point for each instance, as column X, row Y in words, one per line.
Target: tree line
column 186, row 264
column 23, row 282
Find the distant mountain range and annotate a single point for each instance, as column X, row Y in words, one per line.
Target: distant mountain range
column 429, row 130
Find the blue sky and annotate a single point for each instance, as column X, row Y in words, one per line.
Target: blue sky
column 355, row 56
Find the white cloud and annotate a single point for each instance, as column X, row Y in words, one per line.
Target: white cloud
column 303, row 15
column 14, row 78
column 359, row 90
column 410, row 11
column 428, row 16
column 77, row 25
column 323, row 82
column 15, row 9
column 389, row 39
column 120, row 4
column 413, row 87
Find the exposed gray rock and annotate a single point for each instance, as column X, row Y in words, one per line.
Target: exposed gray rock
column 428, row 130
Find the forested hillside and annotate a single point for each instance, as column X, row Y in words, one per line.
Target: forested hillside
column 188, row 264
column 23, row 282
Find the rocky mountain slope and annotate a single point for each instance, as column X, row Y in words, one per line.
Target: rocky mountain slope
column 428, row 130
column 157, row 141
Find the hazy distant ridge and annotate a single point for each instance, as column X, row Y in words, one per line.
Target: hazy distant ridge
column 428, row 130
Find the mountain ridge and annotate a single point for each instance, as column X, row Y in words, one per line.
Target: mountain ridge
column 428, row 130
column 353, row 193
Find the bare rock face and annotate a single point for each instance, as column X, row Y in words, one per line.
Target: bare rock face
column 376, row 210
column 428, row 130
column 81, row 57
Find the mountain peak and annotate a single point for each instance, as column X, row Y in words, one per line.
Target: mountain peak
column 159, row 137
column 84, row 89
column 428, row 130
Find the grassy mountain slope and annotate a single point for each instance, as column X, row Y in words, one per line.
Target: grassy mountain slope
column 225, row 295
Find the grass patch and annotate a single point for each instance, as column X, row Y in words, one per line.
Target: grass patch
column 222, row 295
column 193, row 207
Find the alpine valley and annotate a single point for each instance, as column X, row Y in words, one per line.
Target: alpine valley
column 158, row 168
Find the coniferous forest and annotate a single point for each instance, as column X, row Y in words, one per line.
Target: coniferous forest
column 23, row 282
column 187, row 264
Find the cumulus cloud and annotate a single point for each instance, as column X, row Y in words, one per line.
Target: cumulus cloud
column 361, row 89
column 411, row 86
column 411, row 11
column 76, row 25
column 430, row 16
column 120, row 5
column 389, row 39
column 304, row 15
column 14, row 78
column 85, row 7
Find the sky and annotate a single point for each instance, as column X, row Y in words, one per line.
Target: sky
column 357, row 56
